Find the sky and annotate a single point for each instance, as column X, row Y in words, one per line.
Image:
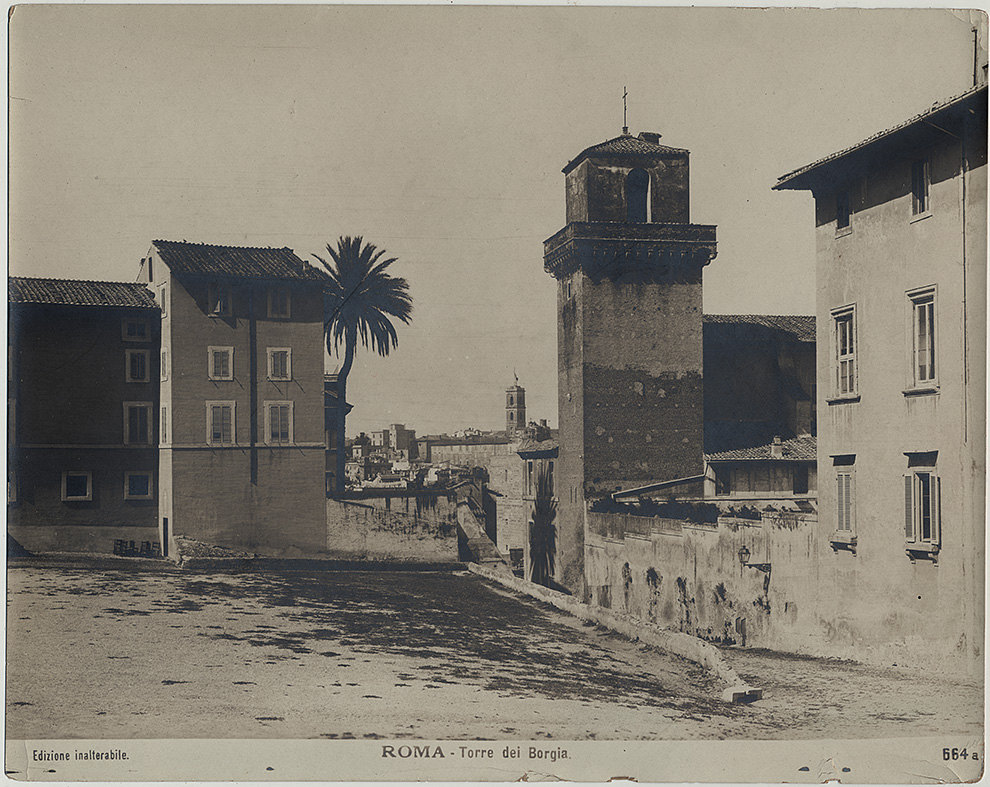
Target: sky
column 439, row 134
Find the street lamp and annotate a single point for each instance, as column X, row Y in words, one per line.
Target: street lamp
column 743, row 555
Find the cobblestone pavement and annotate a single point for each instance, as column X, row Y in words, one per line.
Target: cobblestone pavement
column 149, row 651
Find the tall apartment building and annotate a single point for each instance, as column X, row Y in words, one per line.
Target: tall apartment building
column 901, row 223
column 82, row 395
column 243, row 443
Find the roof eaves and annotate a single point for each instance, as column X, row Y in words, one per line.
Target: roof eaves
column 793, row 180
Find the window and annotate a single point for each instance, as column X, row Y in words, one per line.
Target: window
column 920, row 183
column 723, row 484
column 137, row 486
column 163, row 426
column 135, row 330
column 923, row 336
column 221, row 363
column 529, row 478
column 278, row 423
column 136, row 366
column 922, row 502
column 164, row 369
column 218, row 299
column 11, row 485
column 921, row 508
column 801, row 480
column 77, row 486
column 279, row 363
column 220, row 426
column 842, row 210
column 278, row 303
column 845, row 351
column 163, row 299
column 137, row 423
column 550, row 477
column 845, row 485
column 637, row 196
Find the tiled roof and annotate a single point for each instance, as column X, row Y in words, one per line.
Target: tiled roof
column 239, row 261
column 529, row 446
column 494, row 438
column 70, row 292
column 624, row 145
column 742, row 441
column 801, row 327
column 798, row 179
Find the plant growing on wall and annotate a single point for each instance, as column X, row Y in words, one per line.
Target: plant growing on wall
column 359, row 298
column 543, row 531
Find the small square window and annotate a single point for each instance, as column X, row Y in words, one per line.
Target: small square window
column 138, row 486
column 218, row 299
column 137, row 365
column 221, row 363
column 279, row 303
column 77, row 486
column 135, row 330
column 279, row 363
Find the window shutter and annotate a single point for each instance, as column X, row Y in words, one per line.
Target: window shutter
column 937, row 512
column 908, row 508
column 849, row 499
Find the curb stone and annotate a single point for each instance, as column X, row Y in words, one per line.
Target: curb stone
column 676, row 642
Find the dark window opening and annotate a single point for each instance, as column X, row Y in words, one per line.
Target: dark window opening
column 637, row 196
column 801, row 480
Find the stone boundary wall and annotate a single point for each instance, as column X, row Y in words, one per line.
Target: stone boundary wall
column 683, row 645
column 392, row 525
column 740, row 581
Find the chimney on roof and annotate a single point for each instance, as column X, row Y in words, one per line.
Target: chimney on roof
column 776, row 448
column 650, row 136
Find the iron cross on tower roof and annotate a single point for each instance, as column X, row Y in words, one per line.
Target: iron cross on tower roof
column 625, row 128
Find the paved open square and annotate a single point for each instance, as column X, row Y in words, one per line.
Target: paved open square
column 149, row 651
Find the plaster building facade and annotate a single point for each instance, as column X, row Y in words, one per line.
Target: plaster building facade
column 242, row 456
column 901, row 224
column 628, row 266
column 83, row 409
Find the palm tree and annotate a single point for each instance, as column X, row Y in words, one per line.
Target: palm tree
column 542, row 531
column 359, row 299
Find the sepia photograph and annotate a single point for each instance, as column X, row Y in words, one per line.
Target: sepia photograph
column 496, row 393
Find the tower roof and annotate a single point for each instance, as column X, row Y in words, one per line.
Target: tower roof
column 626, row 145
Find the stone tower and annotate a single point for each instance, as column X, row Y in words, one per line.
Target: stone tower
column 629, row 330
column 515, row 409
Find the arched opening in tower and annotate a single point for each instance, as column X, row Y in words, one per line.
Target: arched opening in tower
column 638, row 196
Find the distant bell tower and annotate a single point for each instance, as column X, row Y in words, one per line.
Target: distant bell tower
column 629, row 330
column 515, row 409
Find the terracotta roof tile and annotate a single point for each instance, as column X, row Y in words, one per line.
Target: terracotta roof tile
column 624, row 145
column 72, row 292
column 237, row 261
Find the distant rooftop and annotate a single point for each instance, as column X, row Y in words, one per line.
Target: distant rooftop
column 801, row 327
column 72, row 292
column 743, row 440
column 645, row 144
column 235, row 261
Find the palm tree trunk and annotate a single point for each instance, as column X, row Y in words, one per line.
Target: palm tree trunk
column 345, row 369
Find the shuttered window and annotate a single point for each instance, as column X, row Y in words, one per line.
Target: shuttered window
column 922, row 507
column 220, row 423
column 845, row 501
